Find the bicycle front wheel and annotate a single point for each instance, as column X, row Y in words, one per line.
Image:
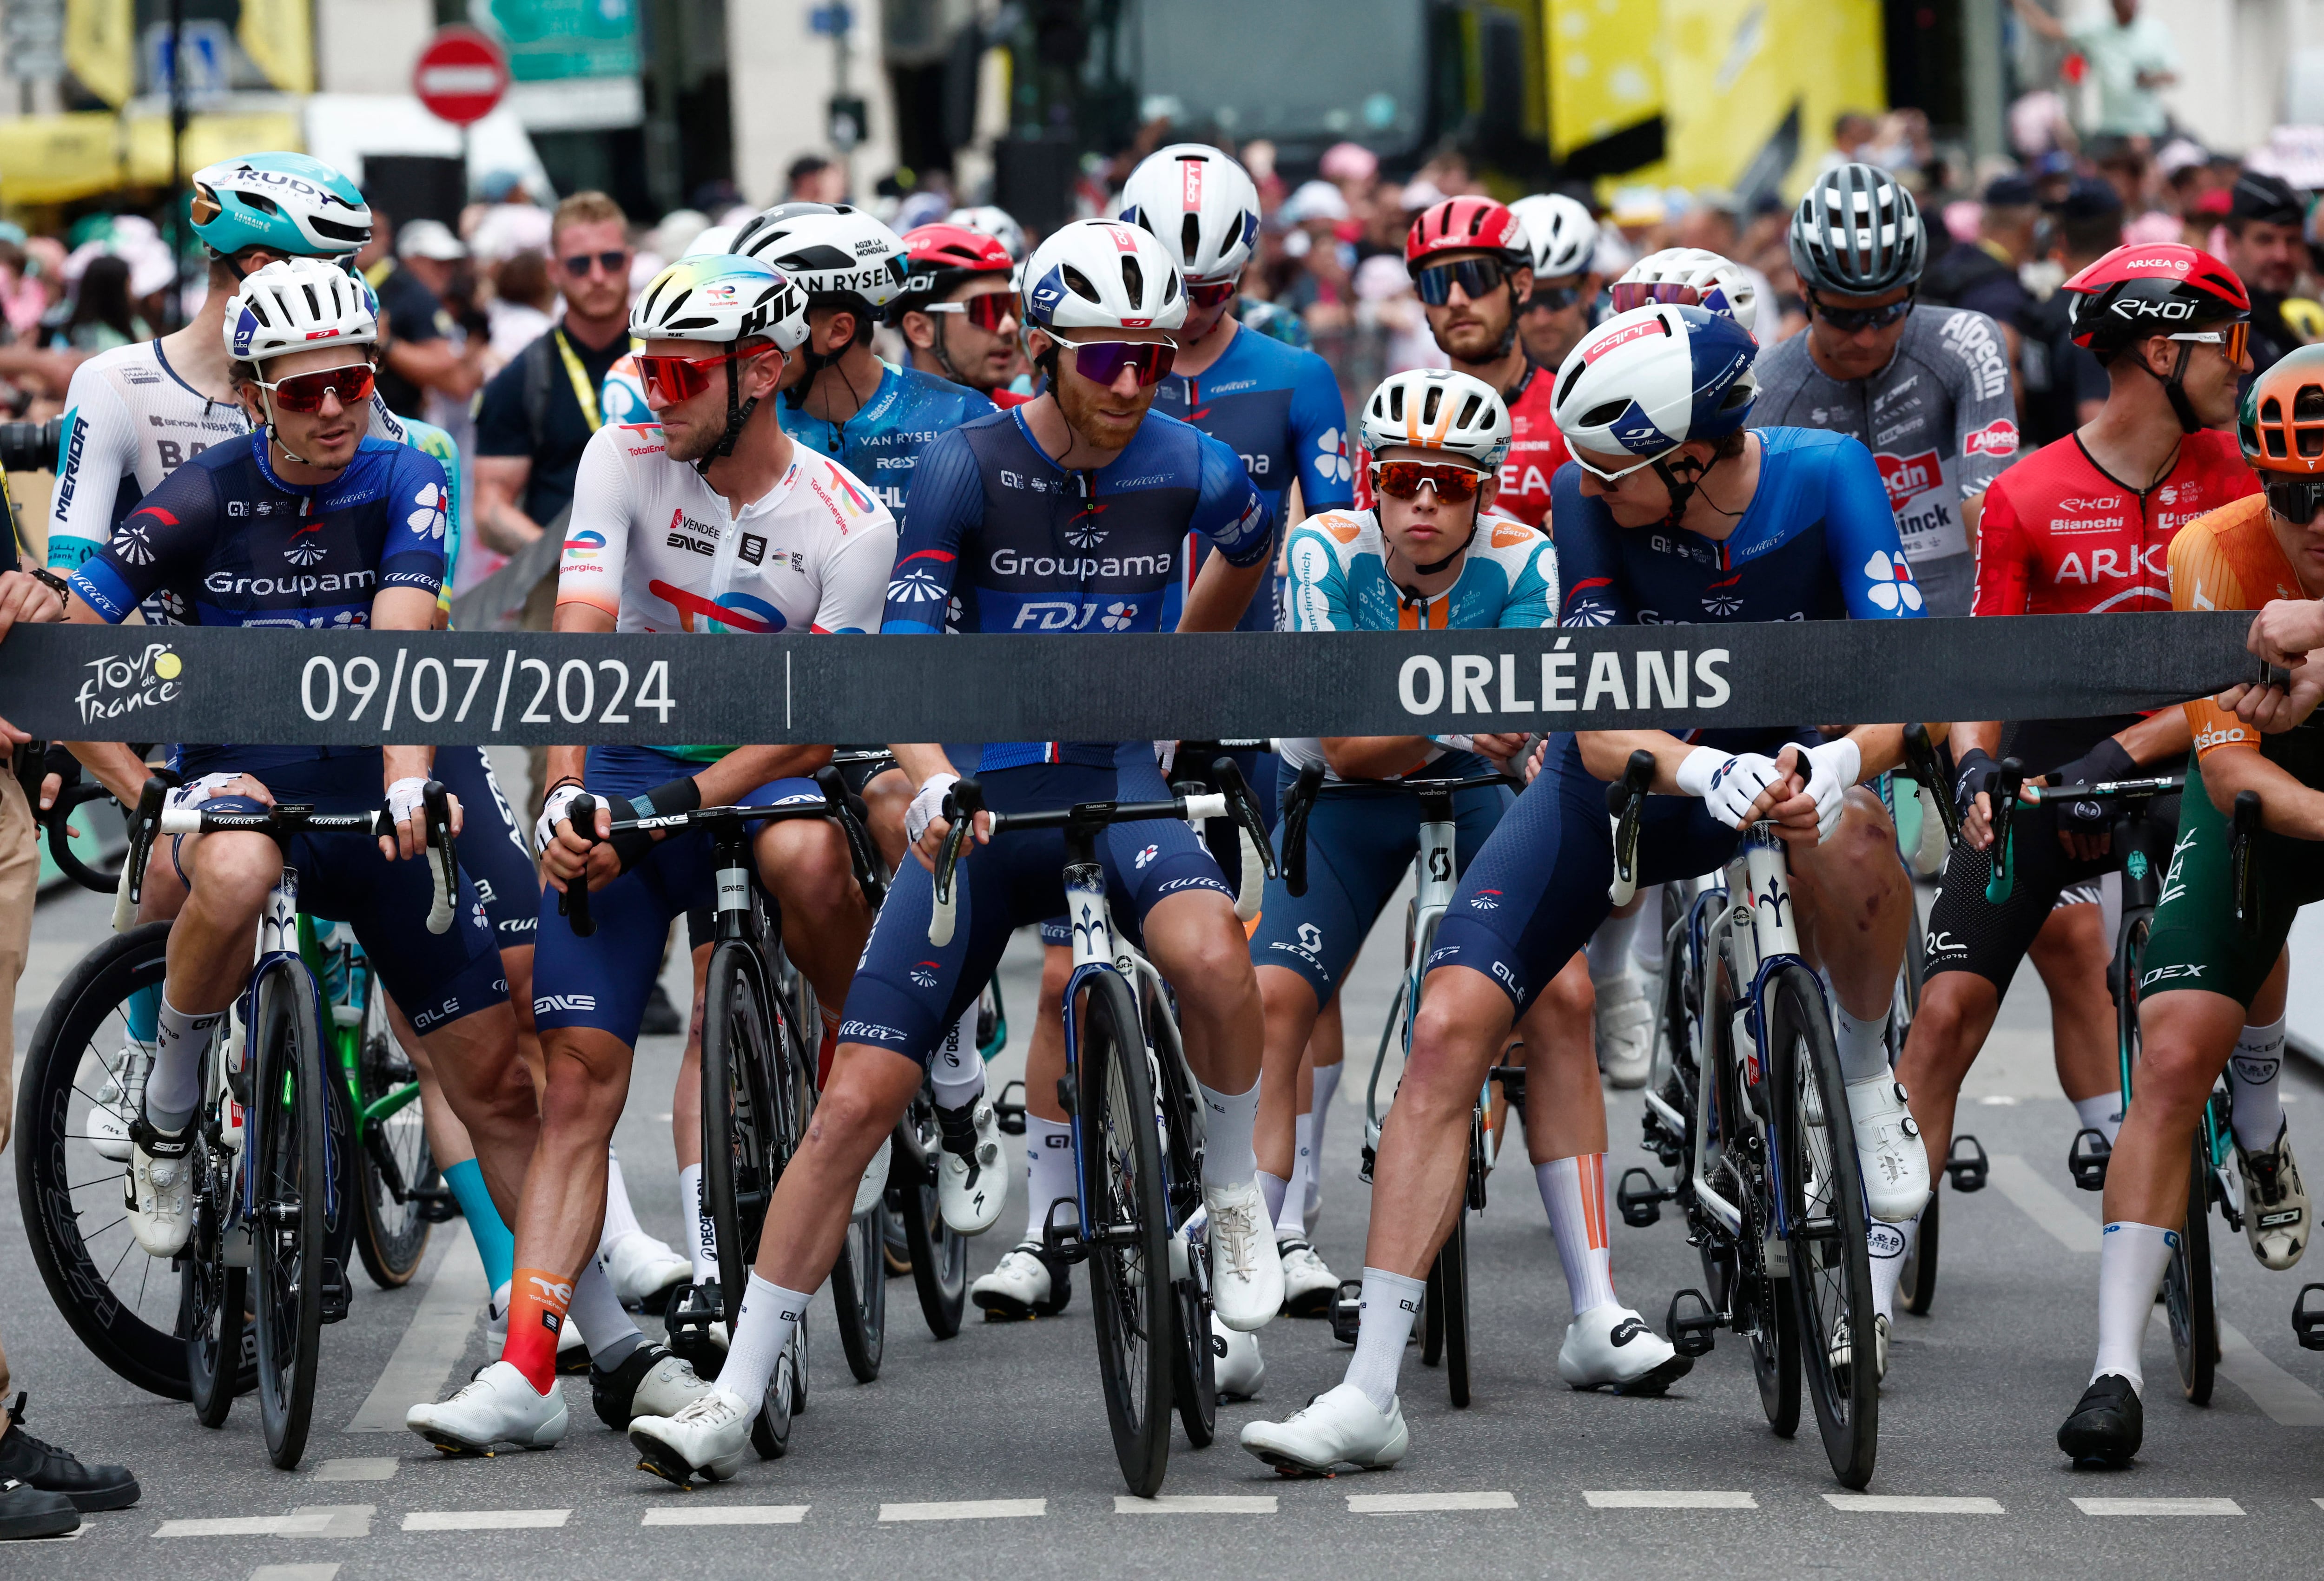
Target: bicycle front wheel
column 1128, row 1236
column 393, row 1163
column 859, row 1291
column 1823, row 1211
column 1916, row 1286
column 290, row 1192
column 939, row 1256
column 213, row 1302
column 740, row 1160
column 2188, row 1295
column 1452, row 1264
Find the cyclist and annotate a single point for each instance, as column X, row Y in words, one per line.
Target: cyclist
column 1787, row 523
column 2082, row 526
column 740, row 492
column 986, row 220
column 1001, row 518
column 1926, row 389
column 959, row 291
column 1562, row 238
column 2207, row 976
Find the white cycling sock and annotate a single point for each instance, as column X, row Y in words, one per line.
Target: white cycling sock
column 702, row 1246
column 1291, row 1218
column 2102, row 1114
column 1610, row 947
column 1048, row 1172
column 1863, row 1044
column 957, row 1070
column 1272, row 1190
column 1574, row 1190
column 620, row 1218
column 2130, row 1261
column 1327, row 1086
column 1651, row 943
column 1888, row 1244
column 604, row 1322
column 173, row 1089
column 763, row 1326
column 1390, row 1302
column 1227, row 1156
column 2252, row 1077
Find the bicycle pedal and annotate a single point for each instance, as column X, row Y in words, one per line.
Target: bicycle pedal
column 1640, row 1206
column 1347, row 1311
column 2087, row 1158
column 1064, row 1242
column 1009, row 1117
column 2308, row 1322
column 1967, row 1174
column 437, row 1204
column 337, row 1296
column 1691, row 1332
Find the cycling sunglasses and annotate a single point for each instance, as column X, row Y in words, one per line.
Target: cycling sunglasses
column 2296, row 500
column 2232, row 339
column 616, row 262
column 1475, row 276
column 1205, row 294
column 1848, row 320
column 1614, row 479
column 988, row 312
column 1627, row 294
column 304, row 392
column 1100, row 362
column 1553, row 298
column 1401, row 480
column 670, row 380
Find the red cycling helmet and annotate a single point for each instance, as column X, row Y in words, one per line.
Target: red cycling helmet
column 939, row 255
column 1465, row 224
column 2160, row 288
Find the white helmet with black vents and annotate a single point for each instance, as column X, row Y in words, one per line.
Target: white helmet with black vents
column 829, row 250
column 298, row 305
column 1436, row 409
column 1559, row 232
column 1102, row 274
column 1200, row 204
column 988, row 220
column 1704, row 279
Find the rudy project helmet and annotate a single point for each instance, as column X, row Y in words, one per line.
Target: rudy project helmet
column 723, row 298
column 298, row 305
column 1436, row 409
column 1560, row 234
column 1466, row 225
column 288, row 203
column 1858, row 232
column 1102, row 274
column 1702, row 278
column 1200, row 205
column 829, row 250
column 1648, row 381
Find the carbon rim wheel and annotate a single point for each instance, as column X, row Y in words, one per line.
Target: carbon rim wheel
column 1130, row 1296
column 284, row 1133
column 391, row 1151
column 1916, row 1286
column 2188, row 1293
column 859, row 1292
column 1453, row 1258
column 770, row 1429
column 940, row 1256
column 221, row 1350
column 740, row 1155
column 1194, row 1379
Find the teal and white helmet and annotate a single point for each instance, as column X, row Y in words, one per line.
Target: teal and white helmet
column 288, row 203
column 724, row 297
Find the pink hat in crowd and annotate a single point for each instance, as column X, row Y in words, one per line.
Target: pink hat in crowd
column 1349, row 161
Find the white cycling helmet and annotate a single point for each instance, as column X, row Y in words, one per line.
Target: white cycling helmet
column 1648, row 381
column 721, row 298
column 1199, row 204
column 298, row 305
column 1102, row 274
column 710, row 240
column 829, row 250
column 1436, row 409
column 1713, row 282
column 1560, row 234
column 992, row 221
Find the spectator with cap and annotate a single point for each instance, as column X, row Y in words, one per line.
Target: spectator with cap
column 2131, row 58
column 2266, row 247
column 1982, row 274
column 2064, row 385
column 423, row 346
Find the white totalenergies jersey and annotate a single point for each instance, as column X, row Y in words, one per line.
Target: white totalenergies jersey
column 654, row 546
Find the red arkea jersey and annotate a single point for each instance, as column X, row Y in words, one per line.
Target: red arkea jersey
column 1537, row 450
column 2059, row 537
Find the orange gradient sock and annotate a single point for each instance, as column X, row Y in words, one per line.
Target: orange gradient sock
column 537, row 1303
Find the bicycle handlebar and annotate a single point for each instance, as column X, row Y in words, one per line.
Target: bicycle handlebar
column 142, row 826
column 1626, row 801
column 1300, row 803
column 290, row 818
column 2111, row 790
column 443, row 861
column 52, row 823
column 2007, row 783
column 1257, row 864
column 573, row 902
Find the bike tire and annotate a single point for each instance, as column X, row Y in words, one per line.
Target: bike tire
column 1776, row 1359
column 859, row 1292
column 1431, row 1317
column 1916, row 1286
column 213, row 1305
column 285, row 1129
column 2189, row 1296
column 392, row 1236
column 1452, row 1257
column 1130, row 1296
column 740, row 1151
column 1194, row 1380
column 940, row 1256
column 1826, row 1222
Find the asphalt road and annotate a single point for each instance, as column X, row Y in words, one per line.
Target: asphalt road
column 990, row 1452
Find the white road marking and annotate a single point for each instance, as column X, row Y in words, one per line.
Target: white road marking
column 1195, row 1504
column 2044, row 1204
column 1670, row 1499
column 306, row 1521
column 433, row 1343
column 482, row 1520
column 1914, row 1505
column 2158, row 1506
column 294, row 1572
column 727, row 1515
column 362, row 1468
column 223, row 1526
column 1413, row 1503
column 2289, row 1402
column 966, row 1510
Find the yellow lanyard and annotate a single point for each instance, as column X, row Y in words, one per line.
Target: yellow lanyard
column 583, row 390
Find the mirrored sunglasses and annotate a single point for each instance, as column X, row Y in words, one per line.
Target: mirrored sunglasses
column 1474, row 276
column 1100, row 362
column 304, row 392
column 1401, row 480
column 988, row 312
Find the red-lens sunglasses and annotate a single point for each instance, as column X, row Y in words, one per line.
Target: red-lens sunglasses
column 671, row 379
column 1402, row 479
column 304, row 392
column 988, row 311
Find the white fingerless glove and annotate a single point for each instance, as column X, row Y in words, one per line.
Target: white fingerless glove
column 556, row 810
column 403, row 802
column 928, row 807
column 1727, row 783
column 1838, row 765
column 195, row 791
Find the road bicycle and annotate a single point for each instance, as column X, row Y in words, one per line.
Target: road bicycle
column 1137, row 1123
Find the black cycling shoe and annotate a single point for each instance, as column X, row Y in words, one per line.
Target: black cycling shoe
column 2108, row 1425
column 662, row 1018
column 26, row 1512
column 693, row 1309
column 614, row 1395
column 27, row 1459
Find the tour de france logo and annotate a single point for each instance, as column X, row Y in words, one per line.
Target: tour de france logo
column 123, row 683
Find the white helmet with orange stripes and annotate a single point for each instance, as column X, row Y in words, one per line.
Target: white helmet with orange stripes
column 1436, row 409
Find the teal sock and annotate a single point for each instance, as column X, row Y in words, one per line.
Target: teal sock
column 145, row 1014
column 493, row 1242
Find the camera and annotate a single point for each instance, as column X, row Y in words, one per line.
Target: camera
column 29, row 446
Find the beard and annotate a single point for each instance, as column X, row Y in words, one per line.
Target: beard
column 690, row 444
column 1080, row 402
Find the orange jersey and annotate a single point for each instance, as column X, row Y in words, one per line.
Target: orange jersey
column 2227, row 559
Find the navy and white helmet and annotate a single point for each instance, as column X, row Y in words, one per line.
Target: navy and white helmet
column 1102, row 274
column 1199, row 204
column 298, row 305
column 1648, row 381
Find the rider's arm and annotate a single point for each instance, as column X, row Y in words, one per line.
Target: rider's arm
column 853, row 589
column 945, row 507
column 500, row 522
column 2287, row 630
column 1860, row 541
column 1235, row 517
column 1319, row 434
column 2287, row 806
column 97, row 450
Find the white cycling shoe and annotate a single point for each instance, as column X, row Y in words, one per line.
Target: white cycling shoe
column 1235, row 1363
column 161, row 1189
column 1625, row 1031
column 1023, row 1285
column 499, row 1407
column 970, row 1191
column 650, row 1383
column 1612, row 1347
column 706, row 1440
column 1246, row 1272
column 1888, row 1148
column 1339, row 1427
column 1843, row 1353
column 642, row 1267
column 1309, row 1283
column 118, row 1100
column 2275, row 1204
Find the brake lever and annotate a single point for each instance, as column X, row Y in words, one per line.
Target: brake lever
column 1295, row 808
column 574, row 902
column 962, row 802
column 1626, row 800
column 443, row 861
